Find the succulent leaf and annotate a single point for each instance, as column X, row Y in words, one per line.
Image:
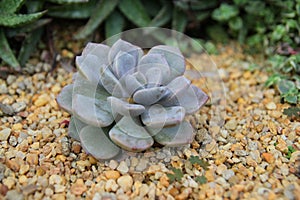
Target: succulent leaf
column 153, row 60
column 135, row 81
column 92, row 111
column 95, row 142
column 158, row 116
column 130, row 136
column 123, row 64
column 75, row 126
column 174, row 135
column 192, row 99
column 149, row 96
column 124, row 46
column 64, row 99
column 174, row 58
column 125, row 108
column 111, row 83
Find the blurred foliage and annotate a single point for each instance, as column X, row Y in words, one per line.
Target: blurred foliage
column 271, row 26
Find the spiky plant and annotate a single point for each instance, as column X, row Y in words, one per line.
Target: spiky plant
column 123, row 99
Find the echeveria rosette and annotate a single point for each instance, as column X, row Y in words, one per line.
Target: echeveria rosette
column 123, row 99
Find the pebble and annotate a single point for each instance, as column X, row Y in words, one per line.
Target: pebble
column 142, row 165
column 42, row 100
column 271, row 106
column 13, row 141
column 111, row 185
column 123, row 168
column 4, row 134
column 231, row 124
column 227, row 174
column 14, row 195
column 113, row 164
column 3, row 88
column 32, row 159
column 19, row 106
column 24, row 169
column 79, row 187
column 125, row 182
column 112, row 174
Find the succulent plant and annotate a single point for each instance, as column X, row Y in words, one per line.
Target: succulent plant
column 123, row 100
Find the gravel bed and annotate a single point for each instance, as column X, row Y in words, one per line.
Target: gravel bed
column 245, row 140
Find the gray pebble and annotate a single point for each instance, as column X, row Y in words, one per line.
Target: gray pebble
column 4, row 134
column 13, row 141
column 19, row 106
column 3, row 89
column 10, row 79
column 14, row 195
column 142, row 165
column 227, row 174
column 6, row 109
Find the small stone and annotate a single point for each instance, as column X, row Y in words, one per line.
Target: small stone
column 142, row 165
column 112, row 174
column 24, row 169
column 227, row 174
column 29, row 189
column 76, row 147
column 23, row 179
column 59, row 188
column 125, row 182
column 231, row 124
column 55, row 179
column 32, row 159
column 123, row 168
column 6, row 109
column 13, row 165
column 17, row 127
column 4, row 134
column 271, row 106
column 268, row 157
column 79, row 187
column 14, row 195
column 111, row 185
column 19, row 106
column 42, row 100
column 9, row 182
column 113, row 164
column 3, row 89
column 10, row 79
column 13, row 141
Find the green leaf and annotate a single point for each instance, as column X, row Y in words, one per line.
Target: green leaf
column 27, row 28
column 176, row 175
column 102, row 10
column 217, row 33
column 236, row 23
column 163, row 16
column 29, row 45
column 225, row 12
column 285, row 86
column 73, row 11
column 10, row 6
column 272, row 80
column 201, row 179
column 113, row 25
column 179, row 20
column 200, row 162
column 6, row 53
column 278, row 32
column 135, row 12
column 19, row 19
column 291, row 98
column 67, row 1
column 292, row 111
